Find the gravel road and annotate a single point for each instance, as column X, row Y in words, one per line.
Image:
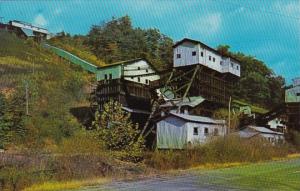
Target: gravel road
column 187, row 182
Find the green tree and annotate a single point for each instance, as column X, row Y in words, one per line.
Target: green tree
column 118, row 133
column 118, row 40
column 258, row 83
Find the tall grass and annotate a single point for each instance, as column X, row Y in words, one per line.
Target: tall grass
column 222, row 150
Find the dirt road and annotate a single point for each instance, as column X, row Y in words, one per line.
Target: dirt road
column 187, row 182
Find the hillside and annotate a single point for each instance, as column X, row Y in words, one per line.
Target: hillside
column 75, row 45
column 54, row 87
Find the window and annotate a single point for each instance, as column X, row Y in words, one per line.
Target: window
column 139, row 79
column 201, row 54
column 147, row 70
column 297, row 94
column 237, row 67
column 105, row 76
column 195, row 132
column 231, row 65
column 221, row 63
column 216, row 132
column 110, row 76
column 139, row 68
column 131, row 77
column 194, row 53
column 214, row 59
column 209, row 57
column 205, row 131
column 146, row 81
column 178, row 56
column 270, row 139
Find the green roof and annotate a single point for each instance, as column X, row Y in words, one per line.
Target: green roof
column 254, row 109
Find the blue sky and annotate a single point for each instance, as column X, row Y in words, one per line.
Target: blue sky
column 266, row 29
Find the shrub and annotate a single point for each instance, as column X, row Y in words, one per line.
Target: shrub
column 114, row 128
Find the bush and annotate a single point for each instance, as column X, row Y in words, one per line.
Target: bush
column 294, row 138
column 114, row 128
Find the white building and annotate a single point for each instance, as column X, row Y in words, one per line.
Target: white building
column 29, row 30
column 293, row 94
column 137, row 70
column 190, row 52
column 177, row 131
column 271, row 136
column 277, row 124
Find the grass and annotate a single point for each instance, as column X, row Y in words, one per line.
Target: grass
column 68, row 185
column 279, row 175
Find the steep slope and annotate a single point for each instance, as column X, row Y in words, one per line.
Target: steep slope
column 74, row 45
column 28, row 72
column 73, row 58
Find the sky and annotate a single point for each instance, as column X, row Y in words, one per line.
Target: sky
column 266, row 29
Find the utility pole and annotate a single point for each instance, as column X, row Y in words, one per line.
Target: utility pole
column 27, row 98
column 30, row 58
column 229, row 114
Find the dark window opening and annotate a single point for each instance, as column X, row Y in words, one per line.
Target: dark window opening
column 131, row 77
column 139, row 68
column 146, row 81
column 216, row 132
column 298, row 94
column 147, row 70
column 110, row 76
column 194, row 53
column 139, row 79
column 201, row 54
column 205, row 130
column 178, row 55
column 237, row 67
column 195, row 131
column 209, row 57
column 214, row 59
column 105, row 76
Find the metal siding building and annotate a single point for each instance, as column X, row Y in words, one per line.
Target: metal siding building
column 178, row 131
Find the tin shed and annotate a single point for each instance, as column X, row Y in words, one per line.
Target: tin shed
column 176, row 131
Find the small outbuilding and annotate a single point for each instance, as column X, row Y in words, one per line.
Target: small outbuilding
column 271, row 136
column 177, row 131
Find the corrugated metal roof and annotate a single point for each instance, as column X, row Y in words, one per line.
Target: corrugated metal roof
column 264, row 130
column 196, row 118
column 192, row 102
column 247, row 134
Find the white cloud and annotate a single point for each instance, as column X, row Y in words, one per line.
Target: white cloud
column 290, row 11
column 57, row 11
column 40, row 20
column 240, row 10
column 206, row 25
column 289, row 8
